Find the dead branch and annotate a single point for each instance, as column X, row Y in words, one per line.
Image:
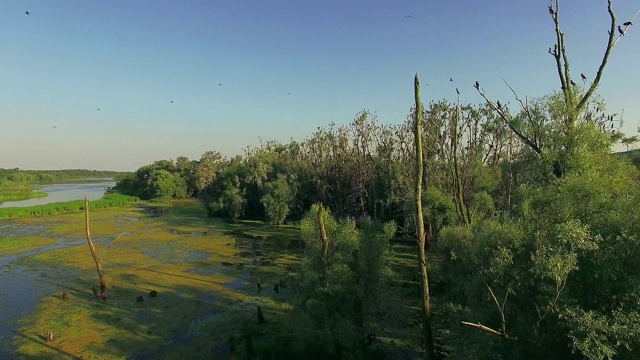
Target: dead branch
column 488, row 329
column 505, row 117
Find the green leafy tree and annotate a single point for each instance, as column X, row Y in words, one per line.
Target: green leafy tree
column 276, row 200
column 340, row 276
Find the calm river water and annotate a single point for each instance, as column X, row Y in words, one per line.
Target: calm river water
column 93, row 189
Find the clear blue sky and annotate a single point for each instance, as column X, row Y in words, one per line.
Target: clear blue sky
column 130, row 59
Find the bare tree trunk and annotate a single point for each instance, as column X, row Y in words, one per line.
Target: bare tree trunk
column 103, row 284
column 426, row 299
column 324, row 239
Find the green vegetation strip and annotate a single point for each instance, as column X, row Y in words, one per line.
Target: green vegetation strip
column 111, row 200
column 18, row 192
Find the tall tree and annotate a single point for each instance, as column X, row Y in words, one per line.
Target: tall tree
column 422, row 248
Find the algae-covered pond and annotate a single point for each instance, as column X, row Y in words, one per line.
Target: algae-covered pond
column 203, row 270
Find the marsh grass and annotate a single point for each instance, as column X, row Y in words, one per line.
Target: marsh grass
column 17, row 245
column 110, row 200
column 18, row 192
column 204, row 271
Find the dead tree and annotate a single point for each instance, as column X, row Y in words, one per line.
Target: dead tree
column 575, row 99
column 422, row 252
column 103, row 285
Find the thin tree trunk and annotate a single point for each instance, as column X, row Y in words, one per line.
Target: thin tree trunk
column 325, row 241
column 426, row 299
column 103, row 284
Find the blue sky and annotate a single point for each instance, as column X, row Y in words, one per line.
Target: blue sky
column 286, row 68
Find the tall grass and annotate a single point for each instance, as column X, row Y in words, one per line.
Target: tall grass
column 18, row 192
column 110, row 200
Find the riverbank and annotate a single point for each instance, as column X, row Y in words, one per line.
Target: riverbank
column 18, row 193
column 107, row 201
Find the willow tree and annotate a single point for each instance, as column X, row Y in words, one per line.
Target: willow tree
column 422, row 248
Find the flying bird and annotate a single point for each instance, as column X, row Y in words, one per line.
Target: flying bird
column 26, row 13
column 172, row 101
column 409, row 16
column 477, row 85
column 458, row 91
column 628, row 23
column 584, row 78
column 219, row 84
column 620, row 31
column 54, row 126
column 289, row 93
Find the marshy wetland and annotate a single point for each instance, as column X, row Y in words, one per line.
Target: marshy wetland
column 204, row 271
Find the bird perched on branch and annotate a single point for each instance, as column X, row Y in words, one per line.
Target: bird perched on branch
column 551, row 12
column 628, row 23
column 584, row 78
column 621, row 31
column 457, row 91
column 477, row 85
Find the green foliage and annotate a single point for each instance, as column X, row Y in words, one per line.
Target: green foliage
column 27, row 177
column 109, row 200
column 163, row 180
column 232, row 203
column 339, row 292
column 276, row 200
column 562, row 266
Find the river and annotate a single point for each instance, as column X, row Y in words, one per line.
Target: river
column 93, row 188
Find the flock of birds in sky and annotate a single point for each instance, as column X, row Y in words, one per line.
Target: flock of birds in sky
column 477, row 84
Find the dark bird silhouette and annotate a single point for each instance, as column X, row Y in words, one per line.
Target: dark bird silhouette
column 288, row 93
column 477, row 85
column 450, row 79
column 409, row 16
column 98, row 109
column 584, row 78
column 140, row 299
column 219, row 84
column 172, row 101
column 551, row 12
column 573, row 83
column 457, row 91
column 26, row 13
column 628, row 23
column 499, row 105
column 153, row 293
column 621, row 31
column 54, row 126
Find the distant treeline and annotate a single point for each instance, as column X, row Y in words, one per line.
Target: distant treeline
column 17, row 176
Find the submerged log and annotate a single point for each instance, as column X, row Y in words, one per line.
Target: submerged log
column 153, row 293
